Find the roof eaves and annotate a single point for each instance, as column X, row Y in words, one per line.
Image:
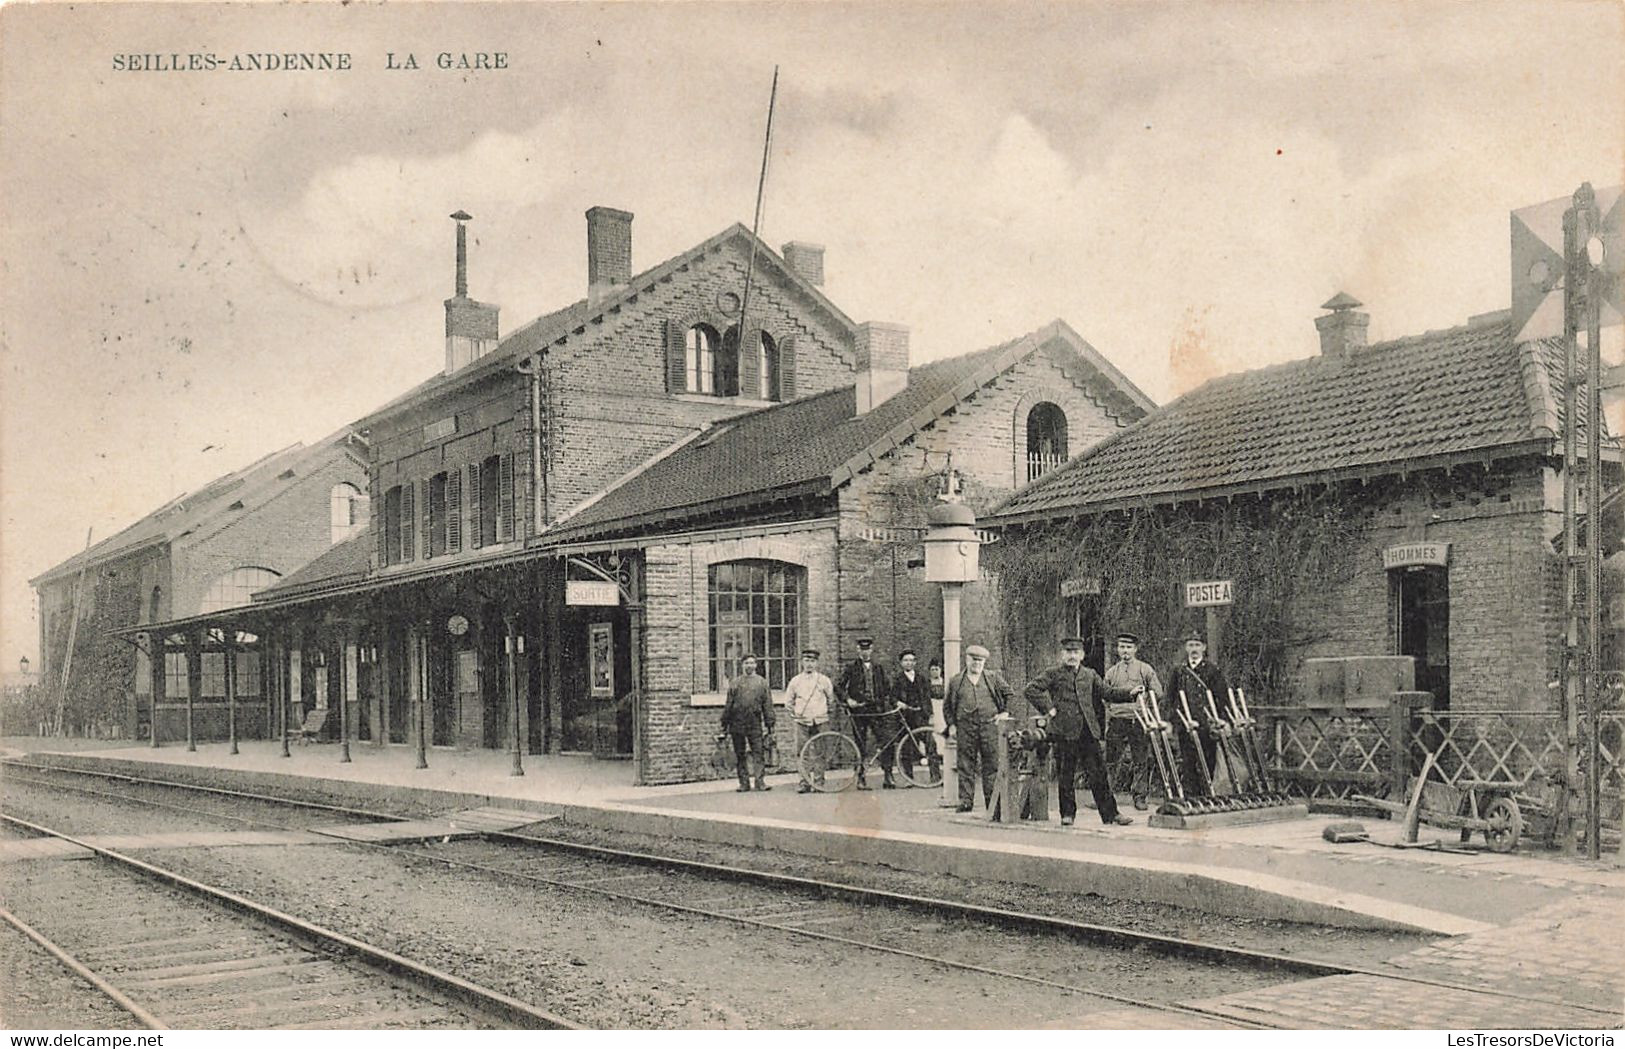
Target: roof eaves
column 631, row 522
column 1102, row 364
column 1537, row 387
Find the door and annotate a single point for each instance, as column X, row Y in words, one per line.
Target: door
column 1423, row 610
column 610, row 684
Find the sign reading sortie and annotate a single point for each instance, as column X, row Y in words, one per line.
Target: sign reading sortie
column 591, row 592
column 1210, row 593
column 1406, row 555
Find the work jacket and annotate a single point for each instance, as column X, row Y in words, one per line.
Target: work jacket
column 1196, row 682
column 915, row 695
column 808, row 698
column 958, row 702
column 853, row 689
column 749, row 709
column 1078, row 698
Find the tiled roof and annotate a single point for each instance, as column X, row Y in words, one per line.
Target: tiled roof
column 560, row 324
column 813, row 445
column 346, row 561
column 1454, row 393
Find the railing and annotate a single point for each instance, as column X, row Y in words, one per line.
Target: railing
column 1329, row 756
column 1039, row 465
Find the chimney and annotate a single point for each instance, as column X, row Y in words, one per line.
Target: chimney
column 882, row 351
column 609, row 252
column 471, row 327
column 1342, row 331
column 805, row 260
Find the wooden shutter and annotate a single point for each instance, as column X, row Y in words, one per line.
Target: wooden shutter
column 750, row 364
column 426, row 515
column 474, row 540
column 454, row 510
column 505, row 498
column 523, row 516
column 676, row 368
column 380, row 528
column 787, row 368
column 408, row 519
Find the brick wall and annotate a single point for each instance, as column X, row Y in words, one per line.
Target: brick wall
column 678, row 735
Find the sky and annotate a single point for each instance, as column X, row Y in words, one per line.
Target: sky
column 201, row 267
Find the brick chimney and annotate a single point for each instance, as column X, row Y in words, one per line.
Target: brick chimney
column 805, row 260
column 1342, row 331
column 609, row 252
column 471, row 327
column 882, row 351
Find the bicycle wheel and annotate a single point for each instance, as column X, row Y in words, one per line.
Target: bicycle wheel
column 920, row 760
column 831, row 761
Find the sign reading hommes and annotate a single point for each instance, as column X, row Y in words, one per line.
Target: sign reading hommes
column 1406, row 555
column 1210, row 593
column 591, row 592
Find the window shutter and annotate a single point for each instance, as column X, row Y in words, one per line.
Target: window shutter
column 676, row 371
column 505, row 498
column 750, row 365
column 426, row 515
column 380, row 530
column 787, row 368
column 474, row 540
column 454, row 510
column 408, row 519
column 522, row 515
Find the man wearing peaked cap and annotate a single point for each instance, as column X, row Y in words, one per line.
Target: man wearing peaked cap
column 808, row 697
column 1074, row 697
column 866, row 691
column 913, row 693
column 1196, row 676
column 1122, row 726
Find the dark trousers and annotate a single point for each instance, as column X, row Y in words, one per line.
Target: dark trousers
column 753, row 742
column 1120, row 733
column 869, row 732
column 914, row 719
column 1069, row 753
column 978, row 754
column 1189, row 774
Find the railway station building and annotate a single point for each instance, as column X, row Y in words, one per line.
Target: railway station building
column 580, row 526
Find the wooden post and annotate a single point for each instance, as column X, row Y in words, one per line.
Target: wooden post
column 157, row 651
column 1399, row 742
column 194, row 681
column 229, row 636
column 418, row 662
column 511, row 641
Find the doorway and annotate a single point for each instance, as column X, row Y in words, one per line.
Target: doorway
column 1422, row 627
column 1083, row 619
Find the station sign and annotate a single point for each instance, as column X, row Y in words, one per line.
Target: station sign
column 1210, row 593
column 1407, row 555
column 1081, row 586
column 591, row 592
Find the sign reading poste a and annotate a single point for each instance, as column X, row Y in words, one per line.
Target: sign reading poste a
column 1210, row 593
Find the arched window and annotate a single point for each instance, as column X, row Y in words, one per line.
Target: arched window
column 755, row 608
column 699, row 358
column 233, row 589
column 348, row 511
column 1046, row 439
column 768, row 367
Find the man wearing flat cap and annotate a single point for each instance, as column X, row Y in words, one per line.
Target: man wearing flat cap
column 972, row 702
column 1196, row 676
column 747, row 716
column 809, row 697
column 1074, row 697
column 1123, row 728
column 867, row 694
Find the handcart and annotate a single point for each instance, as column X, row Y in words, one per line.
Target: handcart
column 1486, row 807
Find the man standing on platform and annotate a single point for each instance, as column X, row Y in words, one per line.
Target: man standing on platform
column 974, row 700
column 1122, row 726
column 913, row 691
column 868, row 698
column 1074, row 696
column 748, row 718
column 809, row 697
column 1196, row 676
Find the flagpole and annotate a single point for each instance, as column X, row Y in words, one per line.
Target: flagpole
column 756, row 224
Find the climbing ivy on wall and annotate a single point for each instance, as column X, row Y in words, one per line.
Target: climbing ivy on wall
column 1283, row 551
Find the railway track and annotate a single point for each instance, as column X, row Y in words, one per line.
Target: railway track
column 833, row 911
column 133, row 931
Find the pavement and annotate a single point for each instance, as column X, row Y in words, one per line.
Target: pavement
column 1535, row 925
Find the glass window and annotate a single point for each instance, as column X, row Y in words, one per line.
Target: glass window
column 348, row 511
column 755, row 608
column 235, row 588
column 699, row 358
column 437, row 515
column 490, row 498
column 248, row 674
column 768, row 368
column 1046, row 439
column 726, row 379
column 175, row 675
column 214, row 675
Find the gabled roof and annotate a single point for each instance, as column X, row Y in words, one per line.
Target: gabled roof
column 196, row 510
column 1463, row 393
column 812, row 446
column 559, row 326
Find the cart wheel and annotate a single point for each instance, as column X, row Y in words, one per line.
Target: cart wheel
column 1505, row 824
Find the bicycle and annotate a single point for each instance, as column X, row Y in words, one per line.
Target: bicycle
column 831, row 761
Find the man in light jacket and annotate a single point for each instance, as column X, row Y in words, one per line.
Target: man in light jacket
column 809, row 696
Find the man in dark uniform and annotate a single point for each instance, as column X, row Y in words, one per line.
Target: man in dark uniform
column 974, row 700
column 1075, row 697
column 1196, row 676
column 913, row 691
column 867, row 694
column 748, row 718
